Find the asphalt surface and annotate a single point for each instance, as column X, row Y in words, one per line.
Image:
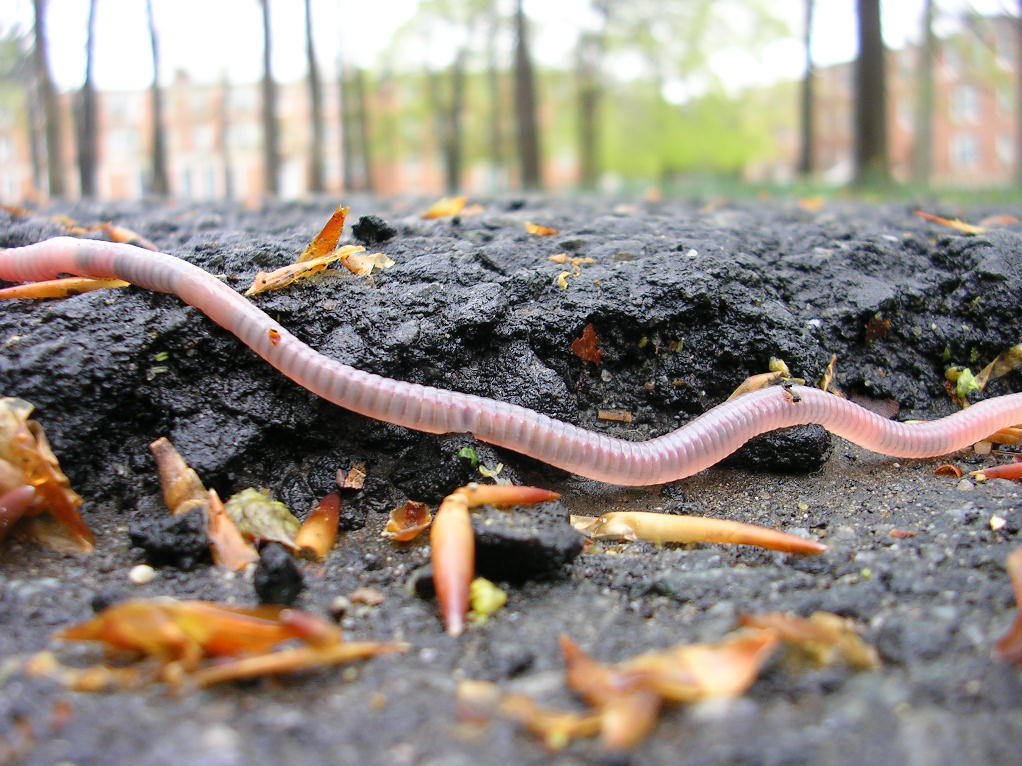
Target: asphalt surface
column 686, row 299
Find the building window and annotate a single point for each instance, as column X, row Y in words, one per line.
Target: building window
column 965, row 104
column 964, row 152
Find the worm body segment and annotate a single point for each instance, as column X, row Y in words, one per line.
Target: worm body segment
column 688, row 450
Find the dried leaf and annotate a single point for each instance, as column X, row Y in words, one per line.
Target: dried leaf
column 407, row 522
column 539, row 231
column 262, row 519
column 363, row 265
column 562, row 280
column 670, row 528
column 183, row 490
column 126, row 236
column 948, row 470
column 445, row 208
column 282, row 277
column 999, row 220
column 826, row 383
column 325, row 242
column 812, row 204
column 367, row 596
column 555, row 728
column 353, row 479
column 229, row 548
column 755, row 383
column 318, row 532
column 823, row 638
column 1002, row 365
column 59, row 288
column 585, row 347
column 28, row 460
column 964, row 228
column 15, row 212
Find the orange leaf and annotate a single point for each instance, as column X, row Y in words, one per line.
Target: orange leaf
column 59, row 288
column 447, row 207
column 126, row 236
column 325, row 242
column 585, row 347
column 407, row 522
column 226, row 543
column 957, row 225
column 539, row 231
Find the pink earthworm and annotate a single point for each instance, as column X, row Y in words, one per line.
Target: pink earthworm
column 683, row 452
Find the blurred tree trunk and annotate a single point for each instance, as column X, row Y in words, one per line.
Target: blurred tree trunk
column 159, row 183
column 498, row 156
column 36, row 128
column 922, row 149
column 347, row 122
column 51, row 108
column 86, row 115
column 870, row 108
column 525, row 105
column 588, row 57
column 316, row 107
column 364, row 139
column 456, row 107
column 271, row 150
column 1018, row 98
column 805, row 159
column 224, row 128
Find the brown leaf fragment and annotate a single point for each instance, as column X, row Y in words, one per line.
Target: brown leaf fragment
column 367, row 596
column 1002, row 365
column 126, row 236
column 363, row 265
column 585, row 347
column 447, row 207
column 59, row 288
column 948, row 470
column 823, row 637
column 183, row 490
column 71, row 226
column 407, row 521
column 999, row 220
column 671, row 528
column 755, row 383
column 353, row 479
column 619, row 416
column 229, row 548
column 539, row 231
column 1010, row 435
column 261, row 519
column 318, row 532
column 325, row 242
column 554, row 728
column 1009, row 648
column 284, row 276
column 901, row 534
column 27, row 460
column 812, row 204
column 957, row 225
column 15, row 212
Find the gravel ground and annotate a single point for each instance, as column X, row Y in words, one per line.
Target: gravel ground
column 686, row 300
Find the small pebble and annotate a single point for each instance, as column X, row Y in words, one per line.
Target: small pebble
column 367, row 596
column 997, row 523
column 339, row 607
column 964, row 485
column 142, row 574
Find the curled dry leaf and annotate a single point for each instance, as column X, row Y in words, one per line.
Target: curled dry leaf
column 1009, row 648
column 1001, row 366
column 26, row 460
column 554, row 728
column 1010, row 435
column 948, row 470
column 407, row 521
column 363, row 265
column 957, row 225
column 318, row 532
column 326, row 241
column 539, row 231
column 262, row 519
column 823, row 637
column 228, row 546
column 999, row 220
column 585, row 347
column 183, row 490
column 670, row 528
column 282, row 277
column 58, row 288
column 446, row 207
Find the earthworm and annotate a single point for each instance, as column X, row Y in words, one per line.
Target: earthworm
column 688, row 450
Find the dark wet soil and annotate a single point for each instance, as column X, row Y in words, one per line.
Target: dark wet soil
column 686, row 301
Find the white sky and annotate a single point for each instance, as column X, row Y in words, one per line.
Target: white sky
column 208, row 38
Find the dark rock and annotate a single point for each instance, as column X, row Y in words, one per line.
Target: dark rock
column 522, row 543
column 173, row 541
column 796, row 450
column 371, row 230
column 277, row 578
